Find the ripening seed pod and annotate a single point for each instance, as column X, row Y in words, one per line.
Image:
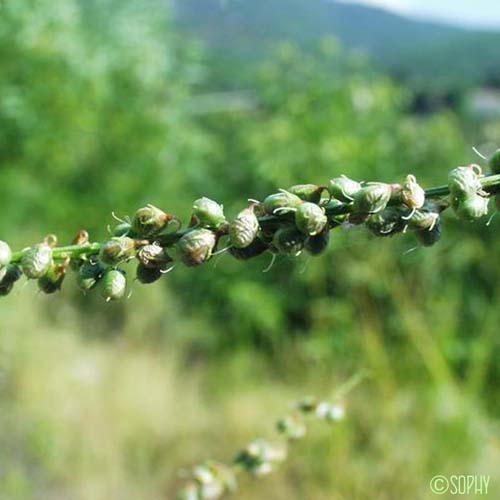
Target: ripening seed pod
column 150, row 220
column 117, row 249
column 153, row 256
column 464, row 181
column 423, row 219
column 429, row 237
column 114, row 284
column 494, row 162
column 281, row 200
column 10, row 276
column 387, row 222
column 89, row 275
column 5, row 254
column 317, row 244
column 244, row 229
column 122, row 229
column 208, row 214
column 196, row 246
column 52, row 280
column 291, row 427
column 472, row 207
column 310, row 218
column 36, row 260
column 289, row 240
column 256, row 248
column 343, row 189
column 307, row 192
column 412, row 194
column 372, row 198
column 147, row 275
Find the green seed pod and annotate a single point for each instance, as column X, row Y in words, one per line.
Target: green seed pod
column 423, row 219
column 52, row 281
column 387, row 222
column 281, row 200
column 317, row 244
column 289, row 240
column 117, row 249
column 464, row 181
column 147, row 275
column 208, row 214
column 89, row 275
column 11, row 274
column 122, row 229
column 154, row 256
column 37, row 260
column 5, row 254
column 412, row 195
column 260, row 457
column 196, row 246
column 244, row 229
column 343, row 189
column 372, row 198
column 310, row 218
column 292, row 427
column 472, row 207
column 257, row 247
column 429, row 237
column 150, row 220
column 307, row 192
column 494, row 162
column 114, row 284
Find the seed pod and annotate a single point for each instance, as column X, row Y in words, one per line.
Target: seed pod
column 472, row 207
column 289, row 240
column 257, row 247
column 307, row 192
column 318, row 243
column 147, row 275
column 89, row 275
column 283, row 199
column 260, row 457
column 196, row 246
column 372, row 198
column 464, row 181
column 208, row 213
column 37, row 260
column 114, row 284
column 122, row 229
column 423, row 219
column 429, row 237
column 310, row 218
column 292, row 427
column 388, row 222
column 343, row 189
column 11, row 274
column 5, row 254
column 52, row 281
column 153, row 256
column 117, row 249
column 494, row 162
column 244, row 229
column 150, row 220
column 412, row 195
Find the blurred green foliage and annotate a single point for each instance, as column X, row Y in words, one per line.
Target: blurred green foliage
column 107, row 401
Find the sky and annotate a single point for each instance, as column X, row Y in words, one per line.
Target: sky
column 472, row 13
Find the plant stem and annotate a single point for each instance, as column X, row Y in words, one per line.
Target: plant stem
column 490, row 184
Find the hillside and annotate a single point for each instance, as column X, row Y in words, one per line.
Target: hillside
column 423, row 53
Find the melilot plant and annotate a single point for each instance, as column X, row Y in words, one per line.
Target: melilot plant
column 288, row 222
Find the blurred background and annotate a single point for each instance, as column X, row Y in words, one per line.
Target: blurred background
column 106, row 105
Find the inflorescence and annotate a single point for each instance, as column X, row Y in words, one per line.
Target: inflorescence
column 215, row 480
column 288, row 222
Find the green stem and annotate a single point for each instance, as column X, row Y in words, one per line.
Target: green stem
column 490, row 184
